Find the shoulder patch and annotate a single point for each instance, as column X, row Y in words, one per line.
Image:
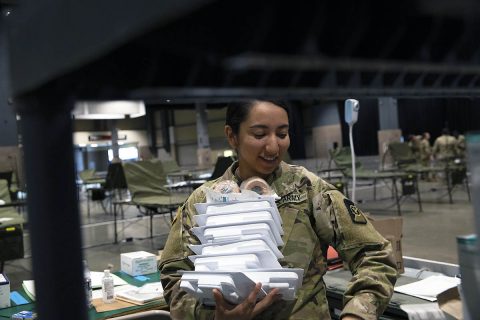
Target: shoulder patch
column 355, row 214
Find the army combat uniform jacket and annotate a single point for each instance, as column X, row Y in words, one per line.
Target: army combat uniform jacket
column 314, row 216
column 444, row 147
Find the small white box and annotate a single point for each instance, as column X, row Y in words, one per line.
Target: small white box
column 138, row 263
column 4, row 291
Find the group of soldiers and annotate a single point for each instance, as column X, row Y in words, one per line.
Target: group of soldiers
column 445, row 147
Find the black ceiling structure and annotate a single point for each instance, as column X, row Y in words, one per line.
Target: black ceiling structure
column 311, row 49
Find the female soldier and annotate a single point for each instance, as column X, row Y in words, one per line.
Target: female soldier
column 314, row 216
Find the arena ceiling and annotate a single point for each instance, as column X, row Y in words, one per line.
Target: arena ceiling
column 186, row 51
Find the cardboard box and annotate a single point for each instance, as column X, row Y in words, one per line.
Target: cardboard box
column 4, row 292
column 138, row 263
column 450, row 302
column 392, row 230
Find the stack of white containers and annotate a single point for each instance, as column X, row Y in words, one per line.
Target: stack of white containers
column 239, row 248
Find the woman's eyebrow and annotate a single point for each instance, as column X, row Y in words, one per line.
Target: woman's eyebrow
column 263, row 126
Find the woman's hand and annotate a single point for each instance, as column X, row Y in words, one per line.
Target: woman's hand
column 248, row 309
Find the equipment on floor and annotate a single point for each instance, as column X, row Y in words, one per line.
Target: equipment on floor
column 408, row 185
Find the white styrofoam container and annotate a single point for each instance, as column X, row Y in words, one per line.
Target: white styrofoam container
column 261, row 258
column 237, row 246
column 210, row 219
column 138, row 263
column 224, row 232
column 235, row 286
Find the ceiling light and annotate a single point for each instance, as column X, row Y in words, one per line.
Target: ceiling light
column 108, row 109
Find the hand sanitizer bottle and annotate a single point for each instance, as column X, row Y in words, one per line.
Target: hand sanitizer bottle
column 107, row 287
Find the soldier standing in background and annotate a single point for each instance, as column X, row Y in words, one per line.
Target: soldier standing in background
column 444, row 146
column 414, row 142
column 426, row 155
column 425, row 149
column 315, row 215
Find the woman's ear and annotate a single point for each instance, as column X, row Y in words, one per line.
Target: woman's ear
column 231, row 137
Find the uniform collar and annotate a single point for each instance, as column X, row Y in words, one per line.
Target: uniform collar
column 230, row 173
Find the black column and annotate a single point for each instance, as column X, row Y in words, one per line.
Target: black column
column 52, row 205
column 297, row 135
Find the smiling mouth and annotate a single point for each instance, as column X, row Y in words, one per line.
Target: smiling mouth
column 269, row 158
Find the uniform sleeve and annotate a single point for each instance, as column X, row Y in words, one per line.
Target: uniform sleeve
column 175, row 258
column 368, row 254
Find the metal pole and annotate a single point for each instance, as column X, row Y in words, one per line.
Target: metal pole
column 114, row 134
column 52, row 205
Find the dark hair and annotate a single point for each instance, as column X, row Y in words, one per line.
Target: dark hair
column 238, row 111
column 445, row 131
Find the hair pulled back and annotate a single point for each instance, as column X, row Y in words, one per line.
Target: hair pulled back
column 238, row 111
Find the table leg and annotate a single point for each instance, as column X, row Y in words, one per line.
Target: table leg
column 419, row 200
column 115, row 223
column 395, row 191
column 151, row 223
column 449, row 185
column 88, row 203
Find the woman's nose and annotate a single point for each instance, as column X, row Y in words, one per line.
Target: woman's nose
column 272, row 145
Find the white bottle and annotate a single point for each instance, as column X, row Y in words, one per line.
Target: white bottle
column 107, row 287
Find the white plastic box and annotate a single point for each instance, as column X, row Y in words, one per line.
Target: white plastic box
column 4, row 292
column 138, row 263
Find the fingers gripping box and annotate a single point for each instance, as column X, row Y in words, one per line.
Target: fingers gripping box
column 138, row 263
column 4, row 292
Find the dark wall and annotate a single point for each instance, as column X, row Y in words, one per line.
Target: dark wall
column 419, row 115
column 296, row 132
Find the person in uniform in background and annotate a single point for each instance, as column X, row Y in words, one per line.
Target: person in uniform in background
column 425, row 149
column 444, row 146
column 414, row 142
column 425, row 155
column 460, row 146
column 315, row 215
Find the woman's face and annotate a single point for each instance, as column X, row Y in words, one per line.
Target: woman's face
column 262, row 140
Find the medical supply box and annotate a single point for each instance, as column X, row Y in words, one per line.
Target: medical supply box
column 138, row 263
column 4, row 292
column 24, row 315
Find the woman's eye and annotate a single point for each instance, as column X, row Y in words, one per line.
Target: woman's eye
column 282, row 135
column 258, row 135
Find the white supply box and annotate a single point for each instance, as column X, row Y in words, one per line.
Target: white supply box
column 4, row 292
column 138, row 263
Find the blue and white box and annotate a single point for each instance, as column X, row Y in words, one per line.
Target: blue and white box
column 4, row 291
column 138, row 263
column 24, row 315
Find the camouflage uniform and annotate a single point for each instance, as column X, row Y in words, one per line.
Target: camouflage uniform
column 425, row 152
column 314, row 215
column 415, row 145
column 444, row 147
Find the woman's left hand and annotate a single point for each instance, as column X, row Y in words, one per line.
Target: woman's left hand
column 248, row 309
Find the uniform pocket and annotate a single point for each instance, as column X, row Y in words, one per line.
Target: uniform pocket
column 299, row 238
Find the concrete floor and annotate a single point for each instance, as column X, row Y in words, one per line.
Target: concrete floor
column 430, row 234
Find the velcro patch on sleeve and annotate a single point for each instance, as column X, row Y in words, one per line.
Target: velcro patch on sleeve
column 355, row 214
